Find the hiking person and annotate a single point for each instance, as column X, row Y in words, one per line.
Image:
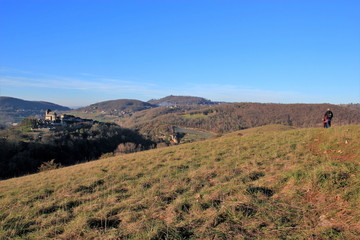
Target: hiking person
column 327, row 118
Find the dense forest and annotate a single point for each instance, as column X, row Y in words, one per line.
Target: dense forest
column 24, row 151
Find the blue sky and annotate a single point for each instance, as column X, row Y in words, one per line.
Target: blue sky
column 78, row 52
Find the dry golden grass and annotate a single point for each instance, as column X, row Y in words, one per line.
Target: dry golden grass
column 266, row 183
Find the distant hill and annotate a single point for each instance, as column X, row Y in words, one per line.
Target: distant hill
column 111, row 111
column 15, row 109
column 181, row 101
column 122, row 109
column 352, row 105
column 270, row 183
column 120, row 105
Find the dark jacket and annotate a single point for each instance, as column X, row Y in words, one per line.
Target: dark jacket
column 329, row 115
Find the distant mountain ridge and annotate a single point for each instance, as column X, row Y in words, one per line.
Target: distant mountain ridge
column 125, row 105
column 181, row 101
column 15, row 109
column 18, row 104
column 117, row 110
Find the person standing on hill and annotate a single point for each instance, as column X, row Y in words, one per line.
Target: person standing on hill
column 327, row 118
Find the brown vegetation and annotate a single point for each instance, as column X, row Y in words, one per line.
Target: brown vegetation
column 233, row 117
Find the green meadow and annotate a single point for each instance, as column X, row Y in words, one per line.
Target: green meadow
column 271, row 182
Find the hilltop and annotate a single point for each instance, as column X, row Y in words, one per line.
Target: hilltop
column 272, row 182
column 112, row 110
column 120, row 106
column 352, row 105
column 14, row 109
column 182, row 101
column 19, row 104
column 122, row 109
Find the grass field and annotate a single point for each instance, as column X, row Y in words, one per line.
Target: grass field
column 271, row 182
column 191, row 135
column 194, row 116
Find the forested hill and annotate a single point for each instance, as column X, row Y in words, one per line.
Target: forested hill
column 8, row 103
column 120, row 105
column 352, row 105
column 119, row 110
column 232, row 117
column 182, row 101
column 14, row 109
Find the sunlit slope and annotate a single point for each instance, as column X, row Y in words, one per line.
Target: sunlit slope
column 271, row 183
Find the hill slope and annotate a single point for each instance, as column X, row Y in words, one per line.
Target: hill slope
column 126, row 105
column 237, row 116
column 112, row 110
column 264, row 184
column 14, row 109
column 182, row 101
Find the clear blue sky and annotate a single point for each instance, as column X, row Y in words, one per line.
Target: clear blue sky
column 78, row 52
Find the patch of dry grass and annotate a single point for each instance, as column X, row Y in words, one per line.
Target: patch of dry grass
column 264, row 183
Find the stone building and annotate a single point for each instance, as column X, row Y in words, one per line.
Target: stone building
column 50, row 115
column 64, row 119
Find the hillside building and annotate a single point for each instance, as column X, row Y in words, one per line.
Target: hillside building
column 64, row 119
column 53, row 120
column 50, row 116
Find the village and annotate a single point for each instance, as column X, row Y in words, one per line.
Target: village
column 53, row 120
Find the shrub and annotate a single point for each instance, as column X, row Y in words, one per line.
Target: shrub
column 128, row 147
column 50, row 165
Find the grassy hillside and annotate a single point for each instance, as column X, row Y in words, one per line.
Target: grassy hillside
column 266, row 183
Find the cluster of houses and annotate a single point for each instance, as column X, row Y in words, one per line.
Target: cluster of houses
column 52, row 119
